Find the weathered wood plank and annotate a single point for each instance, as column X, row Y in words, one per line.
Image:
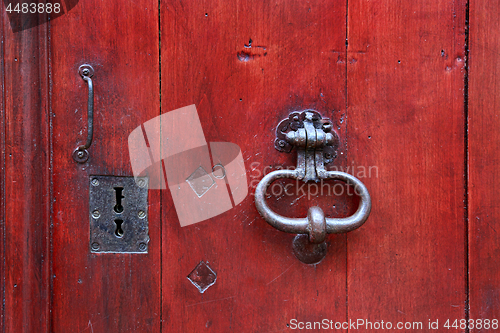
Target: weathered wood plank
column 484, row 160
column 102, row 292
column 246, row 65
column 406, row 117
column 26, row 181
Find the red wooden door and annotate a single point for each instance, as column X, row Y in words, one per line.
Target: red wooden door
column 410, row 88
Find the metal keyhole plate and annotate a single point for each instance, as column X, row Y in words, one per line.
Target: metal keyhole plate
column 118, row 209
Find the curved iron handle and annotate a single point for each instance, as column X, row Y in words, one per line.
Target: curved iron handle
column 315, row 141
column 308, row 225
column 81, row 155
column 311, row 249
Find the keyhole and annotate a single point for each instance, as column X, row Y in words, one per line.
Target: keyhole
column 119, row 230
column 118, row 207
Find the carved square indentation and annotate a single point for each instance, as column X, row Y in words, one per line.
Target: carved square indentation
column 202, row 277
column 200, row 181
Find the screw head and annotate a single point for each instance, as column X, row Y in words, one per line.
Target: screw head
column 96, row 214
column 80, row 155
column 141, row 182
column 86, row 71
column 95, row 182
column 282, row 143
column 142, row 247
column 141, row 214
column 328, row 155
column 95, row 246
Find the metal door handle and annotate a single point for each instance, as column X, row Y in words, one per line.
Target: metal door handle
column 80, row 154
column 316, row 143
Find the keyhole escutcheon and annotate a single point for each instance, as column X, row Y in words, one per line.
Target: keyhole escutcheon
column 119, row 230
column 119, row 209
column 119, row 196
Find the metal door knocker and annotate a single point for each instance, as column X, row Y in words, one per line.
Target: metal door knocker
column 316, row 145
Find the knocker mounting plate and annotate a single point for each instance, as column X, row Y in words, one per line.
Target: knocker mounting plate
column 313, row 137
column 295, row 121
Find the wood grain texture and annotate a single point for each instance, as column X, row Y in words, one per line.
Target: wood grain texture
column 296, row 61
column 26, row 182
column 484, row 160
column 395, row 93
column 2, row 178
column 102, row 292
column 3, row 196
column 406, row 116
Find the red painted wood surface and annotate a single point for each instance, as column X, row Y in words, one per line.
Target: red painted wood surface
column 484, row 157
column 395, row 93
column 26, row 158
column 296, row 61
column 406, row 115
column 102, row 292
column 2, row 181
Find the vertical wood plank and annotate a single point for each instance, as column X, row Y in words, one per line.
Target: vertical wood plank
column 26, row 187
column 484, row 161
column 406, row 118
column 246, row 65
column 3, row 196
column 102, row 292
